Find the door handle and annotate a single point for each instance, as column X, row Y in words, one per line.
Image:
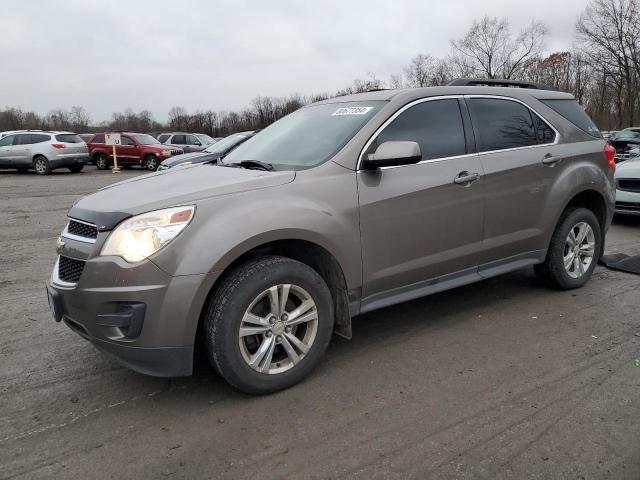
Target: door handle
column 550, row 159
column 466, row 178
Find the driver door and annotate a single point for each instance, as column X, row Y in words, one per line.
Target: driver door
column 421, row 227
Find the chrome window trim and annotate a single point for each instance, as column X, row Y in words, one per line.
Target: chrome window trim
column 55, row 277
column 446, row 97
column 71, row 236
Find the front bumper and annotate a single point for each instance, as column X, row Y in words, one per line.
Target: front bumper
column 140, row 315
column 627, row 203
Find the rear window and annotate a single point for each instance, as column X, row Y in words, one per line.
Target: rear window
column 68, row 138
column 99, row 138
column 572, row 111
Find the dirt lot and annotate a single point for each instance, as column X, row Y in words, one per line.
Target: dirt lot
column 501, row 379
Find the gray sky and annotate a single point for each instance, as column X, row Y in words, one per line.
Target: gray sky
column 107, row 56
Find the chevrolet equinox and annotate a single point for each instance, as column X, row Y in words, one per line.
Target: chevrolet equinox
column 342, row 207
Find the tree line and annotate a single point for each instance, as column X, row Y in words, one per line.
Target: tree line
column 602, row 70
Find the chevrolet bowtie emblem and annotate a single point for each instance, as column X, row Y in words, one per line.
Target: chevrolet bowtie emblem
column 59, row 246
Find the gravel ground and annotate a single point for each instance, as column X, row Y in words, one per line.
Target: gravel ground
column 501, row 379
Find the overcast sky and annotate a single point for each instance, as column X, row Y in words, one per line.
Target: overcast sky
column 107, row 56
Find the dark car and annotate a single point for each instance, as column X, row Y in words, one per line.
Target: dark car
column 211, row 153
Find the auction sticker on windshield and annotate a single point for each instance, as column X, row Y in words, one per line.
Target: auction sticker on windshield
column 352, row 111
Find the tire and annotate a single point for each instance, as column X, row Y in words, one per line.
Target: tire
column 249, row 288
column 151, row 163
column 102, row 161
column 76, row 168
column 554, row 270
column 41, row 165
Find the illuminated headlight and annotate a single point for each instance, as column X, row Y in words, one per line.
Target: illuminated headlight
column 166, row 153
column 141, row 236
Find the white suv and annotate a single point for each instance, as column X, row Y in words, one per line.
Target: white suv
column 43, row 151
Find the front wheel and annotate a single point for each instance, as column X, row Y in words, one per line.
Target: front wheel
column 268, row 324
column 102, row 161
column 574, row 250
column 151, row 163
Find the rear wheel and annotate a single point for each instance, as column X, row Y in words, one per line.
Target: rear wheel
column 574, row 250
column 41, row 165
column 151, row 163
column 76, row 168
column 268, row 324
column 102, row 161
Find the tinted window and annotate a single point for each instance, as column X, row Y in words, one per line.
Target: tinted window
column 23, row 139
column 436, row 125
column 68, row 138
column 99, row 138
column 572, row 111
column 126, row 141
column 502, row 124
column 178, row 140
column 163, row 138
column 544, row 132
column 6, row 141
column 192, row 140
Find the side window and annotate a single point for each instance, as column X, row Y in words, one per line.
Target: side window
column 178, row 140
column 6, row 141
column 163, row 138
column 99, row 138
column 23, row 139
column 544, row 132
column 502, row 124
column 126, row 141
column 436, row 125
column 192, row 140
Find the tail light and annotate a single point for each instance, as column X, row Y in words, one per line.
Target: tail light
column 610, row 152
column 57, row 145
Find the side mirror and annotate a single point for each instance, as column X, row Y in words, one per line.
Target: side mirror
column 391, row 154
column 198, row 143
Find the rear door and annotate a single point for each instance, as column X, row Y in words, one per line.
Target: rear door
column 417, row 223
column 21, row 150
column 518, row 150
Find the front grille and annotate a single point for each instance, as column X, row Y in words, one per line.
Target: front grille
column 629, row 184
column 70, row 269
column 82, row 229
column 628, row 207
column 176, row 152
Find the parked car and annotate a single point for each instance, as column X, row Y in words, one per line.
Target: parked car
column 189, row 142
column 211, row 153
column 43, row 151
column 624, row 140
column 136, row 149
column 628, row 185
column 345, row 206
column 4, row 134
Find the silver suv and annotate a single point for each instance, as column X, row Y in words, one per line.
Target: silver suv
column 43, row 151
column 345, row 206
column 189, row 142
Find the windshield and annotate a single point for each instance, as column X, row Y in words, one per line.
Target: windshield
column 205, row 139
column 307, row 137
column 144, row 139
column 628, row 133
column 226, row 143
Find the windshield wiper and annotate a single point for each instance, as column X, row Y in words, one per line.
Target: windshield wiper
column 252, row 165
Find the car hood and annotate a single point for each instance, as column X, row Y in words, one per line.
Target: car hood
column 189, row 157
column 628, row 169
column 190, row 184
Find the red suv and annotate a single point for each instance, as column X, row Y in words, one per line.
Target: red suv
column 135, row 149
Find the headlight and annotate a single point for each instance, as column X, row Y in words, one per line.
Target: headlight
column 143, row 235
column 166, row 153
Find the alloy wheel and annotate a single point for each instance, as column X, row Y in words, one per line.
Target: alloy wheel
column 278, row 329
column 579, row 250
column 40, row 166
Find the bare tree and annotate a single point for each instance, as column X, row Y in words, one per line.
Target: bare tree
column 490, row 49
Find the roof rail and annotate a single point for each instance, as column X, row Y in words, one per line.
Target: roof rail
column 495, row 82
